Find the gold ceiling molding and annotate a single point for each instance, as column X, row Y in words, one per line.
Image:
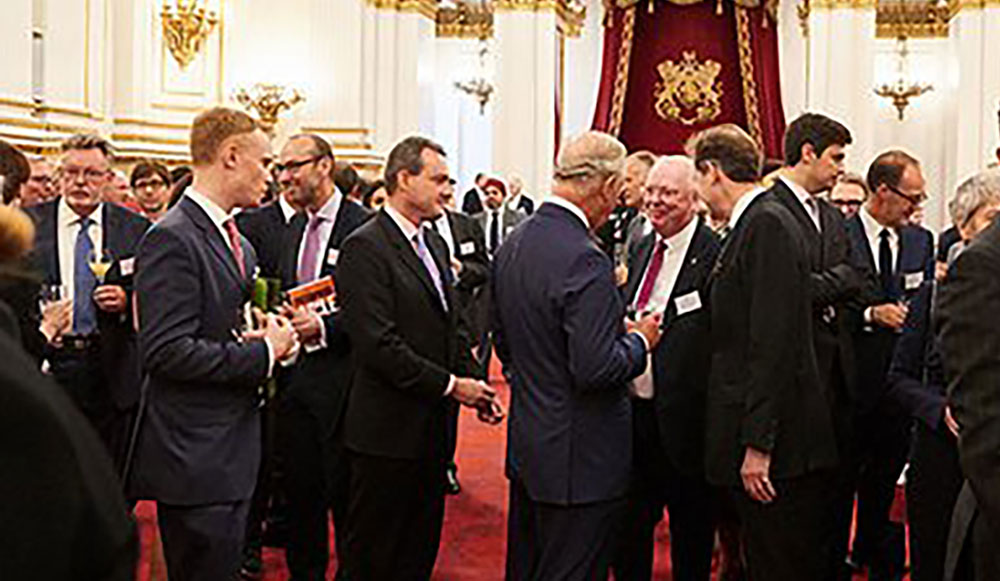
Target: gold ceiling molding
column 427, row 8
column 464, row 21
column 153, row 124
column 912, row 19
column 770, row 6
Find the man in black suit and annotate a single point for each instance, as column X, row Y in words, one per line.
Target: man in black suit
column 266, row 228
column 893, row 258
column 497, row 220
column 470, row 266
column 97, row 364
column 970, row 348
column 668, row 272
column 814, row 161
column 412, row 357
column 770, row 436
column 315, row 389
column 559, row 324
column 199, row 446
column 472, row 203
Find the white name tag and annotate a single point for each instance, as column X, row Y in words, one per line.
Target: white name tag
column 687, row 303
column 510, row 229
column 127, row 266
column 331, row 257
column 466, row 248
column 913, row 280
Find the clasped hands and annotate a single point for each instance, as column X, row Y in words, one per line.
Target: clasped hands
column 478, row 394
column 276, row 330
column 648, row 326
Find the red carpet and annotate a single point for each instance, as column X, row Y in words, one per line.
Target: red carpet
column 473, row 543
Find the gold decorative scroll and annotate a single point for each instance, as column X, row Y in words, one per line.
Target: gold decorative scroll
column 621, row 73
column 427, row 8
column 926, row 19
column 750, row 100
column 186, row 26
column 688, row 91
column 770, row 6
column 464, row 21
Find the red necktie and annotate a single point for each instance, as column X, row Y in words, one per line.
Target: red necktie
column 652, row 273
column 234, row 244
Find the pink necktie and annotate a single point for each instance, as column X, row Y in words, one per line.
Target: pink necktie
column 234, row 244
column 307, row 267
column 651, row 275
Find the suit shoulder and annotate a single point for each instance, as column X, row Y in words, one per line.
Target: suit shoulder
column 40, row 212
column 132, row 219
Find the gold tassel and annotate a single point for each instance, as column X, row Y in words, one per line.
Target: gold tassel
column 652, row 6
column 718, row 7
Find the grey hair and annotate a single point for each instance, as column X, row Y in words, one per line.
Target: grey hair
column 588, row 155
column 681, row 160
column 974, row 193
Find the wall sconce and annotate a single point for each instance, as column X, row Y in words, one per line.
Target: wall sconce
column 479, row 87
column 902, row 89
column 268, row 101
column 186, row 26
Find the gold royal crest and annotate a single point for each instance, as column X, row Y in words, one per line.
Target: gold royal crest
column 688, row 90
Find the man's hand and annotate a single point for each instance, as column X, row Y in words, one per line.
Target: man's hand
column 110, row 298
column 472, row 392
column 280, row 333
column 949, row 421
column 306, row 323
column 649, row 326
column 940, row 270
column 891, row 315
column 621, row 275
column 456, row 266
column 57, row 317
column 491, row 414
column 754, row 472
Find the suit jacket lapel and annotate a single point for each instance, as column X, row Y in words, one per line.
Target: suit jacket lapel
column 643, row 252
column 688, row 276
column 213, row 237
column 788, row 198
column 48, row 244
column 859, row 239
column 404, row 248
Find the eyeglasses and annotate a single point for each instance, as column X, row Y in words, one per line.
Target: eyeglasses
column 847, row 203
column 92, row 175
column 915, row 199
column 153, row 184
column 293, row 166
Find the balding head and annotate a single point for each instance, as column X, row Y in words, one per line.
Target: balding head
column 588, row 173
column 671, row 194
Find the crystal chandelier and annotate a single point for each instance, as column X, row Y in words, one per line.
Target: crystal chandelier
column 479, row 87
column 901, row 90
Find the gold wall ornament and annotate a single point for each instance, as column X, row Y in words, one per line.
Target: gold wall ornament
column 913, row 19
column 268, row 101
column 688, row 91
column 464, row 20
column 901, row 90
column 186, row 26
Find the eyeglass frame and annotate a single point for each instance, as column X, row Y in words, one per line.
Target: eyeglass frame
column 90, row 175
column 295, row 166
column 915, row 200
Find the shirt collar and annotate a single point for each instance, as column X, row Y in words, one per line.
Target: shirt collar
column 682, row 238
column 571, row 207
column 742, row 204
column 67, row 216
column 214, row 211
column 872, row 228
column 409, row 228
column 287, row 211
column 798, row 190
column 330, row 208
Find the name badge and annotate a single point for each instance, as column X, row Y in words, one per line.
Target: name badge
column 331, row 257
column 913, row 280
column 687, row 303
column 466, row 248
column 127, row 266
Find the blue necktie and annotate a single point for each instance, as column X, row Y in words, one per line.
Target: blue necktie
column 84, row 282
column 425, row 257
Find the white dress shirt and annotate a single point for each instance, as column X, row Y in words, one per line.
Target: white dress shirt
column 443, row 225
column 568, row 205
column 329, row 214
column 663, row 287
column 287, row 211
column 873, row 232
column 68, row 224
column 742, row 204
column 809, row 203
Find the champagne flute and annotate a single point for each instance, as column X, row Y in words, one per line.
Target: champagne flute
column 100, row 263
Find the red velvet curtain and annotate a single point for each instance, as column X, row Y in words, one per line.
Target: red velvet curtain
column 730, row 59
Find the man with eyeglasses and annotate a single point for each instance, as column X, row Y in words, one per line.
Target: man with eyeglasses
column 150, row 183
column 77, row 234
column 41, row 184
column 894, row 258
column 849, row 193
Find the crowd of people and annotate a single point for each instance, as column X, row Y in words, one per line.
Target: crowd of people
column 762, row 349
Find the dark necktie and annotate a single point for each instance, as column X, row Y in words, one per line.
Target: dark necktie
column 495, row 231
column 84, row 282
column 235, row 246
column 424, row 254
column 885, row 268
column 652, row 273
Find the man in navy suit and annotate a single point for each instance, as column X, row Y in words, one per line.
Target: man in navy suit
column 199, row 446
column 668, row 273
column 97, row 364
column 893, row 258
column 560, row 330
column 315, row 388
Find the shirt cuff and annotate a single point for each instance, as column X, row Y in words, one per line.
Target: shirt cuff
column 868, row 314
column 319, row 343
column 451, row 386
column 270, row 357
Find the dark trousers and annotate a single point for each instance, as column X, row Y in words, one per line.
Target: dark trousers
column 202, row 543
column 451, row 443
column 546, row 542
column 394, row 517
column 316, row 481
column 932, row 486
column 881, row 446
column 657, row 483
column 784, row 538
column 263, row 490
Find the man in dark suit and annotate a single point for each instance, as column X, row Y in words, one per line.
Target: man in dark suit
column 558, row 320
column 497, row 221
column 470, row 266
column 770, row 436
column 472, row 202
column 314, row 389
column 668, row 272
column 893, row 258
column 613, row 235
column 970, row 348
column 97, row 364
column 266, row 228
column 199, row 447
column 412, row 357
column 814, row 160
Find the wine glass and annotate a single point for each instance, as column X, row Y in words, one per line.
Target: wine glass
column 100, row 263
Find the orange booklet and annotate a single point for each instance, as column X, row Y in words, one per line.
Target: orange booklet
column 318, row 295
